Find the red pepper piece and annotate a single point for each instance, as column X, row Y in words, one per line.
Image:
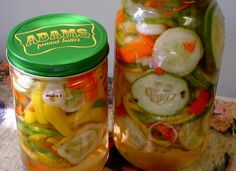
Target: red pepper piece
column 167, row 132
column 85, row 82
column 159, row 71
column 198, row 106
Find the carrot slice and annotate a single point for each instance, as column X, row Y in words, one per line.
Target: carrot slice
column 189, row 46
column 136, row 49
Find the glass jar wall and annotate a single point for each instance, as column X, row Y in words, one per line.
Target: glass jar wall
column 168, row 56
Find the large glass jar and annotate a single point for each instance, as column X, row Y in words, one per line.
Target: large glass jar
column 168, row 57
column 59, row 81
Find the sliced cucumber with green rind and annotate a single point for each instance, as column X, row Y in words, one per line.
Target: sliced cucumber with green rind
column 172, row 53
column 32, row 129
column 162, row 95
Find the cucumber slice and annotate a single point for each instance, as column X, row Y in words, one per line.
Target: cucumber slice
column 213, row 33
column 191, row 135
column 77, row 147
column 135, row 137
column 162, row 95
column 171, row 51
column 74, row 100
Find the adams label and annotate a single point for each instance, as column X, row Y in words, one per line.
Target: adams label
column 46, row 39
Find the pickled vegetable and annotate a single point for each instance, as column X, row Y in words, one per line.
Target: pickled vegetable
column 77, row 147
column 168, row 55
column 160, row 95
column 60, row 125
column 178, row 51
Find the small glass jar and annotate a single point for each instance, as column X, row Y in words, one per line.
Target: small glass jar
column 58, row 66
column 168, row 57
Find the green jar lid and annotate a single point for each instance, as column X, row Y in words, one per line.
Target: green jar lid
column 57, row 45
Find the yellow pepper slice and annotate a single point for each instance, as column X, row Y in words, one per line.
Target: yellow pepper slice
column 36, row 97
column 29, row 114
column 30, row 117
column 57, row 118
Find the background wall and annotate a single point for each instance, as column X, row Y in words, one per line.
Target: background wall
column 13, row 12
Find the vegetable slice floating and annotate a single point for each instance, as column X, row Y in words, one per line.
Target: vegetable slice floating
column 136, row 137
column 191, row 135
column 136, row 49
column 178, row 51
column 162, row 95
column 81, row 144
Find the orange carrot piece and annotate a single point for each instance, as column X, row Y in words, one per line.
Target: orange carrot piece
column 189, row 46
column 120, row 17
column 136, row 49
column 149, row 40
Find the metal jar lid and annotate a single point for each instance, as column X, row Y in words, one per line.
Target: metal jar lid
column 57, row 45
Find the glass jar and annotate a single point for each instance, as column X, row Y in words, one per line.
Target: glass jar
column 58, row 66
column 168, row 57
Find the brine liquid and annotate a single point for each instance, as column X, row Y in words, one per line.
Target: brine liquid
column 153, row 142
column 153, row 158
column 95, row 161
